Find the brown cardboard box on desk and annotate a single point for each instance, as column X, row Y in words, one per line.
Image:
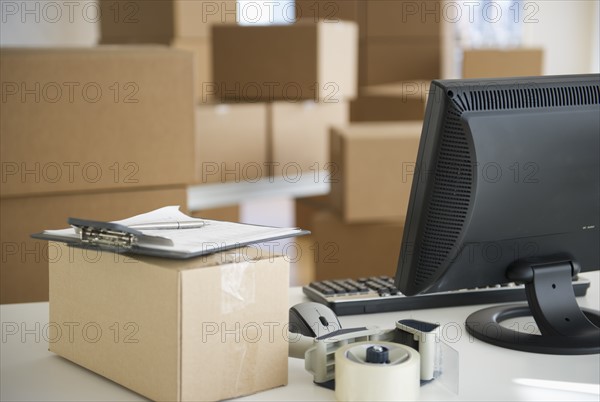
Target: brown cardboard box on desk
column 207, row 328
column 374, row 167
column 24, row 263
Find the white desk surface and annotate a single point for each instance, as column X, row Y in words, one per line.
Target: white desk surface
column 29, row 372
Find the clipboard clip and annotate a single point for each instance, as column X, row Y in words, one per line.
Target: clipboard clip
column 107, row 237
column 105, row 234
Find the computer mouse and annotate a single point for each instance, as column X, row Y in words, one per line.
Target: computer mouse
column 313, row 319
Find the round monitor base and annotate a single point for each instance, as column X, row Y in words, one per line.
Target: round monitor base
column 485, row 326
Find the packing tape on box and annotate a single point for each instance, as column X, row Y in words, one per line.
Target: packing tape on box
column 377, row 371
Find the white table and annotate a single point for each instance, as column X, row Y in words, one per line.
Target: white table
column 30, row 373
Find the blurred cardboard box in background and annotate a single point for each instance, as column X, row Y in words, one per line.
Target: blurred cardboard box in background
column 403, row 19
column 301, row 61
column 162, row 21
column 343, row 250
column 231, row 142
column 300, row 135
column 393, row 60
column 391, row 102
column 333, row 11
column 202, row 54
column 374, row 167
column 495, row 63
column 229, row 213
column 206, row 328
column 306, row 207
column 92, row 119
column 24, row 265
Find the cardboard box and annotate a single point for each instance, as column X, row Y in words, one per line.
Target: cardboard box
column 403, row 19
column 343, row 250
column 95, row 119
column 161, row 21
column 300, row 133
column 294, row 62
column 391, row 102
column 24, row 264
column 231, row 143
column 230, row 213
column 375, row 163
column 496, row 63
column 306, row 207
column 202, row 53
column 208, row 328
column 393, row 60
column 333, row 11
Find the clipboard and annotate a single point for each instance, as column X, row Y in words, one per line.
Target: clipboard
column 120, row 237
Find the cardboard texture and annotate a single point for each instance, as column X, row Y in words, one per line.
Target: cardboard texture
column 293, row 62
column 333, row 11
column 24, row 264
column 230, row 213
column 393, row 60
column 496, row 63
column 202, row 53
column 300, row 135
column 161, row 21
column 403, row 19
column 391, row 102
column 203, row 329
column 101, row 118
column 375, row 163
column 231, row 143
column 345, row 250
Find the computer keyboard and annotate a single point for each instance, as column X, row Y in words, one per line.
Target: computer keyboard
column 378, row 294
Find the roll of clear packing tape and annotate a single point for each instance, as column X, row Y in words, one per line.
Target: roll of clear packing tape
column 377, row 371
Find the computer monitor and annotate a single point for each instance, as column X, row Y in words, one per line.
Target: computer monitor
column 507, row 189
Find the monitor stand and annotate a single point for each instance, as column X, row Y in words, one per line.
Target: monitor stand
column 565, row 328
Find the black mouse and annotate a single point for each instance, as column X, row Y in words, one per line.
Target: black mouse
column 313, row 319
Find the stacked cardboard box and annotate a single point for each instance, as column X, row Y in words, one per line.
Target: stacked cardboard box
column 229, row 213
column 494, row 63
column 304, row 73
column 374, row 165
column 231, row 142
column 300, row 61
column 400, row 42
column 399, row 101
column 300, row 137
column 99, row 133
column 333, row 11
column 183, row 24
column 162, row 21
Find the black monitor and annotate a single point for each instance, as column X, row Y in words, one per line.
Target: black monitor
column 507, row 189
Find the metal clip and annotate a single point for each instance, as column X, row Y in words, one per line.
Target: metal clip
column 107, row 237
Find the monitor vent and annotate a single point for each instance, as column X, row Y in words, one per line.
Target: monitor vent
column 527, row 97
column 449, row 200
